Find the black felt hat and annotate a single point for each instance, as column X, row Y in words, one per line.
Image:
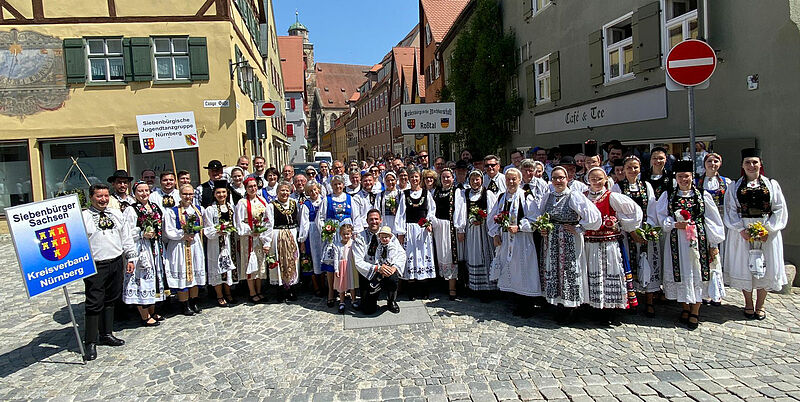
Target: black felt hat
column 751, row 153
column 462, row 164
column 590, row 148
column 119, row 174
column 220, row 184
column 566, row 161
column 619, row 162
column 683, row 166
column 214, row 164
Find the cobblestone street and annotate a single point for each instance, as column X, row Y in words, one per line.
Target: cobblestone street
column 467, row 350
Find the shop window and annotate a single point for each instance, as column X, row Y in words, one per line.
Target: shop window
column 15, row 175
column 94, row 157
column 185, row 159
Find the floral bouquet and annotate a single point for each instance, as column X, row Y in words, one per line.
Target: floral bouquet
column 757, row 231
column 691, row 230
column 225, row 227
column 477, row 216
column 329, row 230
column 649, row 232
column 391, row 205
column 192, row 225
column 260, row 222
column 149, row 223
column 503, row 219
column 610, row 222
column 423, row 222
column 542, row 223
column 270, row 261
column 306, row 266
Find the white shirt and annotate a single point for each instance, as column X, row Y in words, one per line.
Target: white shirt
column 108, row 243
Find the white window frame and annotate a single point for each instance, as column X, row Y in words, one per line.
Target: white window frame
column 436, row 68
column 616, row 47
column 683, row 20
column 536, row 8
column 107, row 56
column 542, row 76
column 173, row 55
column 514, row 83
column 428, row 34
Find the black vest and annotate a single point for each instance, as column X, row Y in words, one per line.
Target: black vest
column 442, row 200
column 207, row 197
column 415, row 213
column 481, row 203
column 285, row 221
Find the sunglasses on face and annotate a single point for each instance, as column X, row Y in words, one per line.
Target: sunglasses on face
column 491, row 165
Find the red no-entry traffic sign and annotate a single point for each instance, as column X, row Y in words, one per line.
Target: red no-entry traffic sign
column 269, row 109
column 691, row 62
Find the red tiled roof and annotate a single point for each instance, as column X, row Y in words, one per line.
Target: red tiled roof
column 291, row 50
column 356, row 96
column 420, row 75
column 376, row 68
column 441, row 14
column 403, row 56
column 408, row 78
column 341, row 80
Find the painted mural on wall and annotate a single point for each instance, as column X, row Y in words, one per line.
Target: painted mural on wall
column 32, row 73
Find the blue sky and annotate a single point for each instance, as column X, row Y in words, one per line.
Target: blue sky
column 350, row 31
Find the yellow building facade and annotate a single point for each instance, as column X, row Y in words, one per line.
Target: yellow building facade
column 74, row 74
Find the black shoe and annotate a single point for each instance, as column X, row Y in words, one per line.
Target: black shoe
column 194, row 306
column 452, row 296
column 761, row 315
column 693, row 325
column 187, row 310
column 146, row 322
column 393, row 307
column 110, row 340
column 715, row 303
column 749, row 316
column 331, row 302
column 684, row 317
column 159, row 318
column 89, row 352
column 341, row 308
column 650, row 310
column 292, row 296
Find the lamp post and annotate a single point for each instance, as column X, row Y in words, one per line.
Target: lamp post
column 247, row 72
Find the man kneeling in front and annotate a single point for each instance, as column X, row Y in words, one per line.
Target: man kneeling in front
column 380, row 260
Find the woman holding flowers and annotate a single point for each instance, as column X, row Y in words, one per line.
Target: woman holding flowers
column 643, row 245
column 388, row 201
column 755, row 214
column 563, row 264
column 251, row 225
column 515, row 264
column 693, row 228
column 219, row 227
column 473, row 213
column 610, row 283
column 446, row 197
column 145, row 285
column 283, row 233
column 414, row 216
column 337, row 206
column 184, row 260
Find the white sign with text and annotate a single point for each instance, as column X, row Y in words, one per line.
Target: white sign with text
column 167, row 131
column 428, row 118
column 639, row 106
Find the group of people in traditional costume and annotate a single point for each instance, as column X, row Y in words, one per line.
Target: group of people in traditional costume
column 569, row 232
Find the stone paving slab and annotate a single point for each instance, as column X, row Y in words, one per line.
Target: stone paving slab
column 465, row 350
column 411, row 312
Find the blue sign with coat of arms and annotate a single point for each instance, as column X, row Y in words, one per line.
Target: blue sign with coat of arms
column 52, row 246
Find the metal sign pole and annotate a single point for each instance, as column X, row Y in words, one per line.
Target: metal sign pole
column 74, row 324
column 692, row 150
column 256, row 140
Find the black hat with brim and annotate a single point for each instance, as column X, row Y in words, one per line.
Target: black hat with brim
column 462, row 164
column 220, row 184
column 214, row 164
column 566, row 161
column 119, row 174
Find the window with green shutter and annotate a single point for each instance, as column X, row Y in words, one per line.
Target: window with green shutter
column 530, row 86
column 646, row 27
column 75, row 60
column 238, row 55
column 555, row 76
column 138, row 59
column 596, row 51
column 198, row 59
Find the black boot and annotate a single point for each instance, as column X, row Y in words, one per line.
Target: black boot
column 281, row 294
column 89, row 351
column 391, row 302
column 107, row 327
column 411, row 290
column 90, row 337
column 292, row 293
column 187, row 309
column 194, row 306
